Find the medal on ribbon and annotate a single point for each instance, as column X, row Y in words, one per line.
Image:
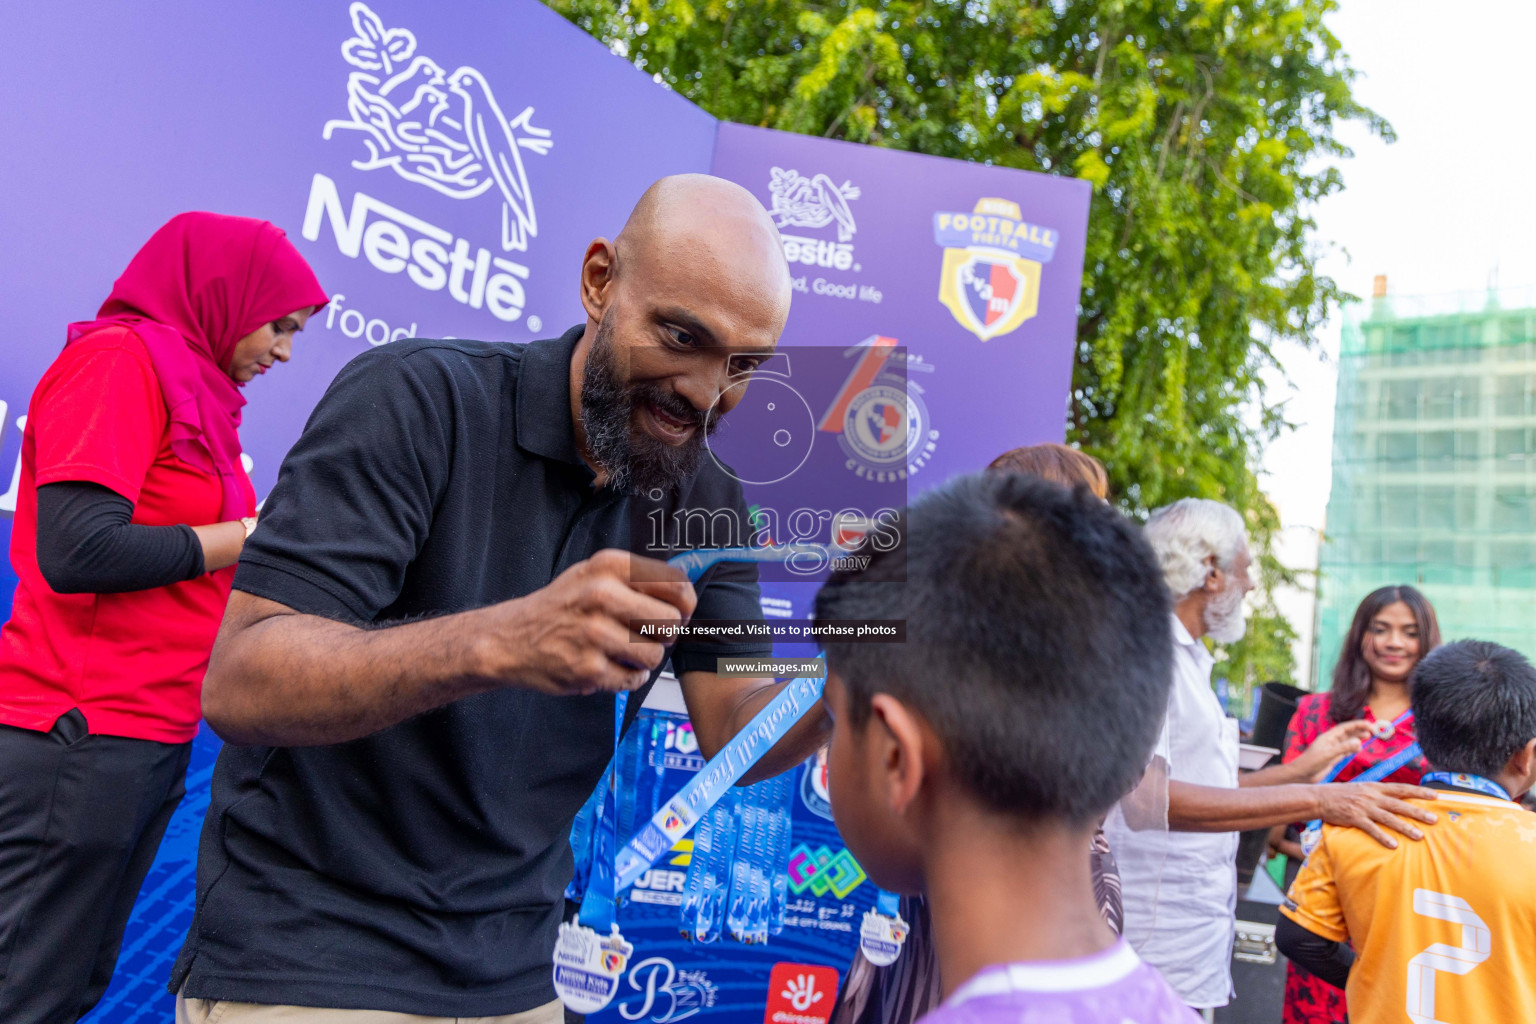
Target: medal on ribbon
column 882, row 931
column 588, row 966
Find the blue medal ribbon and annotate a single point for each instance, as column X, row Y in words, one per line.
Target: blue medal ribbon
column 1397, row 723
column 599, row 905
column 611, row 874
column 652, row 841
column 1376, row 773
column 1310, row 834
column 697, row 562
column 1466, row 780
column 887, row 903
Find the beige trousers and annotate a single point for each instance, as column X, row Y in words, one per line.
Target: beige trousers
column 221, row 1011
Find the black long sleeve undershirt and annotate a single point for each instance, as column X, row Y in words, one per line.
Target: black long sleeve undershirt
column 86, row 543
column 1325, row 958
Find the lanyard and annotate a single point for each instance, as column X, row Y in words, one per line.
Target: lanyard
column 590, row 954
column 599, row 904
column 1382, row 769
column 1466, row 780
column 612, row 873
column 1376, row 773
column 1397, row 723
column 714, row 780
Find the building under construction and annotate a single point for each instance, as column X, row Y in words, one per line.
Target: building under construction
column 1434, row 467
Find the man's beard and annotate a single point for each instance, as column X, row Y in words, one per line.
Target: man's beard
column 635, row 461
column 1224, row 621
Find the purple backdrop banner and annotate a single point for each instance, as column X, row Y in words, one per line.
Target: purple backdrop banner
column 443, row 167
column 920, row 256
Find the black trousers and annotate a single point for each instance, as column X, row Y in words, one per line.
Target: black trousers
column 81, row 817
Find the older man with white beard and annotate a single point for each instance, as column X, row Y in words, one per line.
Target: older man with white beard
column 1180, row 883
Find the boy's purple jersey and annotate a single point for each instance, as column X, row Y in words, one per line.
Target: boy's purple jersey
column 1112, row 987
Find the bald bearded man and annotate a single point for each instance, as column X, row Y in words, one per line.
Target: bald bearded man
column 415, row 675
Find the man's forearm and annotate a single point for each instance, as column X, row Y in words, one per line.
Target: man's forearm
column 719, row 708
column 1276, row 775
column 283, row 678
column 1193, row 808
column 279, row 678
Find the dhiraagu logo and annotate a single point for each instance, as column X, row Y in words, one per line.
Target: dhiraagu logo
column 800, row 994
column 990, row 280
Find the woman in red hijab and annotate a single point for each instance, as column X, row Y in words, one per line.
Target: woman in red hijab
column 132, row 510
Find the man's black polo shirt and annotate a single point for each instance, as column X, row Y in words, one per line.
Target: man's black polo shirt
column 421, row 870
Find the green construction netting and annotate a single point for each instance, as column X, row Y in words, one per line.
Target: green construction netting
column 1434, row 471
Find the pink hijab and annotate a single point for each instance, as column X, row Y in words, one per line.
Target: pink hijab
column 199, row 285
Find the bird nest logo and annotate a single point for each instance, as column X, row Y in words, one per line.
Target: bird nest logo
column 816, row 202
column 440, row 129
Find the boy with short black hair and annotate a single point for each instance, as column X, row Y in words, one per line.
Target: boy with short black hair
column 1442, row 927
column 972, row 762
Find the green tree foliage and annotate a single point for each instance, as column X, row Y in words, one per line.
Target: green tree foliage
column 1207, row 128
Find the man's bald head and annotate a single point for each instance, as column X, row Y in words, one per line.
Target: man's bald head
column 700, row 217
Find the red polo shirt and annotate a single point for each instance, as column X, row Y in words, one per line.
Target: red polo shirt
column 132, row 663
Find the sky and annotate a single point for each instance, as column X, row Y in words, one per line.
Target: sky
column 1439, row 210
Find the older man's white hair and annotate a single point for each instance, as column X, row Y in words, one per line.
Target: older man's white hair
column 1183, row 535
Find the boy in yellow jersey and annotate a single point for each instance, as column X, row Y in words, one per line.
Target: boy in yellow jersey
column 1440, row 929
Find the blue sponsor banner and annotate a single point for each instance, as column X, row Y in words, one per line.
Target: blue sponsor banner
column 671, row 977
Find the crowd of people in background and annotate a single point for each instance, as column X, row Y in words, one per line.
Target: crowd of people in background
column 1042, row 770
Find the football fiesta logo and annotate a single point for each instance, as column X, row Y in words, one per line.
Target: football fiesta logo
column 992, row 262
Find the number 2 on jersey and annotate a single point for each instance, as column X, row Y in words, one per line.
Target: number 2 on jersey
column 1476, row 944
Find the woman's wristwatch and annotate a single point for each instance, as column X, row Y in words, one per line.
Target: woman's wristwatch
column 249, row 522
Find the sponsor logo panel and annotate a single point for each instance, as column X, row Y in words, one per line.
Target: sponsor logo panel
column 800, row 994
column 446, row 131
column 680, row 749
column 821, row 870
column 660, row 886
column 813, row 786
column 990, row 278
column 666, row 994
column 817, row 226
column 879, row 416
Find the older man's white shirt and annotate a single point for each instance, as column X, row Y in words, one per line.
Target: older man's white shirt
column 1180, row 888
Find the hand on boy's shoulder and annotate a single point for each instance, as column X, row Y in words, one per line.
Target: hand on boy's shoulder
column 1480, row 823
column 1376, row 807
